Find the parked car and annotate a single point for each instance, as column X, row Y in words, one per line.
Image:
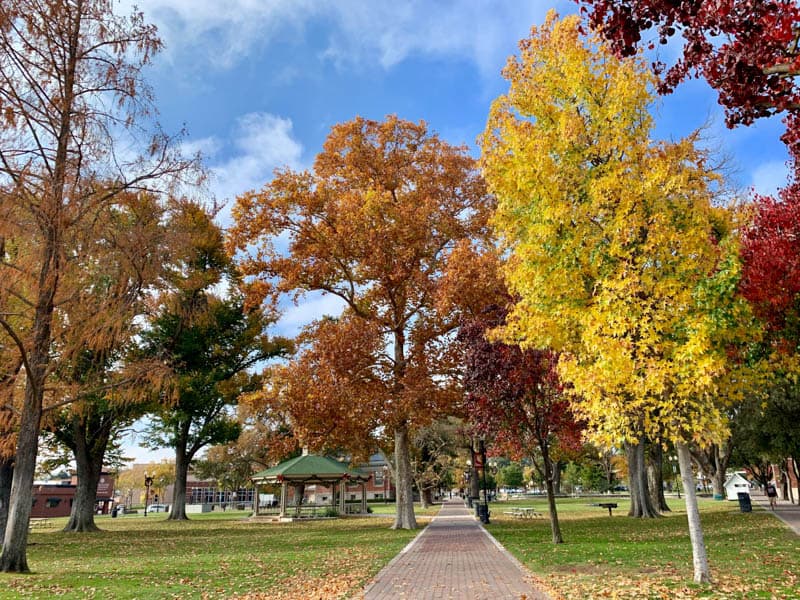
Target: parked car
column 158, row 508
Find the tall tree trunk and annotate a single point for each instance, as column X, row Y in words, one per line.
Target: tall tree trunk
column 88, row 474
column 702, row 574
column 14, row 558
column 655, row 477
column 15, row 543
column 607, row 462
column 785, row 485
column 557, row 470
column 6, row 475
column 549, row 479
column 718, row 479
column 641, row 505
column 426, row 497
column 89, row 449
column 404, row 516
column 182, row 458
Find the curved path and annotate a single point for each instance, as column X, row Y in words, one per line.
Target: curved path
column 453, row 557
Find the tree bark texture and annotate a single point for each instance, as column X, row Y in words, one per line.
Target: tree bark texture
column 404, row 516
column 722, row 457
column 713, row 462
column 89, row 449
column 655, row 477
column 426, row 497
column 557, row 470
column 549, row 479
column 178, row 510
column 702, row 573
column 6, row 475
column 14, row 558
column 641, row 504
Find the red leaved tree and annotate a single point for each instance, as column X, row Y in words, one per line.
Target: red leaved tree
column 747, row 50
column 771, row 266
column 515, row 397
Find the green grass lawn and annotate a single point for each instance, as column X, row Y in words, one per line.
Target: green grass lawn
column 388, row 509
column 220, row 555
column 217, row 555
column 752, row 555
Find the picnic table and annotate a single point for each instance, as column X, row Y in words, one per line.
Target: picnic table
column 523, row 513
column 608, row 505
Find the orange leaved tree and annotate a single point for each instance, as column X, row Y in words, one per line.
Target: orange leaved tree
column 375, row 222
column 73, row 107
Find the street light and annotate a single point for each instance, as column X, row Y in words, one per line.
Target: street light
column 485, row 512
column 673, row 461
column 148, row 481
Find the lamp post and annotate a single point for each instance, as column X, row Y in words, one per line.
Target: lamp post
column 673, row 460
column 148, row 481
column 468, row 481
column 485, row 512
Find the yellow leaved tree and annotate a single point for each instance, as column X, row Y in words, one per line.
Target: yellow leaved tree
column 616, row 252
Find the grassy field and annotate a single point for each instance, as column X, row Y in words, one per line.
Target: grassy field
column 221, row 555
column 752, row 555
column 217, row 555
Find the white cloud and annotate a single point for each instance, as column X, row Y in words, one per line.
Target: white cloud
column 259, row 144
column 362, row 31
column 222, row 33
column 769, row 176
column 480, row 31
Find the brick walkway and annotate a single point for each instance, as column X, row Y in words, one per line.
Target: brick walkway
column 786, row 511
column 454, row 557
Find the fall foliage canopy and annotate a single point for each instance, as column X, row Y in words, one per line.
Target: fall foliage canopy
column 375, row 223
column 610, row 235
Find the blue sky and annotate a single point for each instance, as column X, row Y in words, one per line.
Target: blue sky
column 259, row 86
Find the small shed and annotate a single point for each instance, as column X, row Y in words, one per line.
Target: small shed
column 311, row 469
column 735, row 484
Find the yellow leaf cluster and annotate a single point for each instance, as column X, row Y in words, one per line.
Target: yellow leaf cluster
column 611, row 237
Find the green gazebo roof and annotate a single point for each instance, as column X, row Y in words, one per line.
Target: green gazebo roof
column 308, row 468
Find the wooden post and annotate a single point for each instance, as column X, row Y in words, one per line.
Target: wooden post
column 284, row 496
column 363, row 497
column 342, row 491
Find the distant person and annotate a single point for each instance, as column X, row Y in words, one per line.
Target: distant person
column 772, row 494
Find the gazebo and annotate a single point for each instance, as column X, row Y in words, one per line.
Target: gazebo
column 311, row 469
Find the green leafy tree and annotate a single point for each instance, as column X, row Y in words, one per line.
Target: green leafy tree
column 209, row 352
column 208, row 345
column 511, row 476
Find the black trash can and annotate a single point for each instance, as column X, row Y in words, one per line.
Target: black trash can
column 114, row 513
column 744, row 502
column 483, row 513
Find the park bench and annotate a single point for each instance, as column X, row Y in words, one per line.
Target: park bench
column 522, row 513
column 41, row 523
column 608, row 505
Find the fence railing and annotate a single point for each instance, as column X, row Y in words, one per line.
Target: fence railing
column 312, row 510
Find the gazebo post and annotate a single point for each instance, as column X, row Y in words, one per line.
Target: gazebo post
column 363, row 497
column 341, row 496
column 284, row 494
